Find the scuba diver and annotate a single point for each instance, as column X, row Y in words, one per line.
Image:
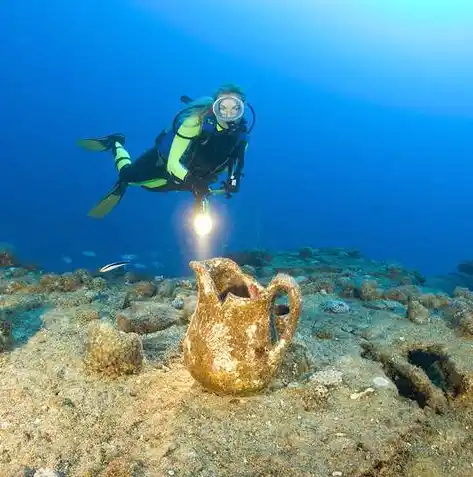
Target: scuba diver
column 209, row 136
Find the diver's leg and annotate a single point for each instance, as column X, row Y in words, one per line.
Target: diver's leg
column 145, row 168
column 122, row 161
column 134, row 173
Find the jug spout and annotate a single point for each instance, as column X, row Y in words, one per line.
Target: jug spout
column 206, row 290
column 228, row 347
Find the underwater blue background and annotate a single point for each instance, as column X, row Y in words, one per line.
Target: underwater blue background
column 364, row 132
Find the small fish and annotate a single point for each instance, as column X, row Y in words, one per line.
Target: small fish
column 88, row 253
column 129, row 256
column 67, row 259
column 112, row 266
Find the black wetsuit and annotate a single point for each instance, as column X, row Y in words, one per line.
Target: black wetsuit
column 207, row 156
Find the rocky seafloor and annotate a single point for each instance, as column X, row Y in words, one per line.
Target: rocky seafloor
column 378, row 381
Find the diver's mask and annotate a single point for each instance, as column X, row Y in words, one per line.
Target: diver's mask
column 228, row 109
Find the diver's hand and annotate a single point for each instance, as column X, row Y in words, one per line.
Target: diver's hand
column 196, row 184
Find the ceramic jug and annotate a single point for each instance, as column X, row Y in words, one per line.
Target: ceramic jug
column 234, row 343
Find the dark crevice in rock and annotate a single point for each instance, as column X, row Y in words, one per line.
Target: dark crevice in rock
column 425, row 375
column 405, row 385
column 439, row 368
column 429, row 361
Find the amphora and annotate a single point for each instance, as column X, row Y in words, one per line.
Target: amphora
column 237, row 335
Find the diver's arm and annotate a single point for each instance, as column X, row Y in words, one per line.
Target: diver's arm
column 190, row 129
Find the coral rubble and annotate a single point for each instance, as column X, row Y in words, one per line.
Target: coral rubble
column 378, row 379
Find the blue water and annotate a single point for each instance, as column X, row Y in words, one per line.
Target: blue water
column 364, row 132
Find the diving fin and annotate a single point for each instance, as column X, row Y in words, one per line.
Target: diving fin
column 105, row 206
column 100, row 144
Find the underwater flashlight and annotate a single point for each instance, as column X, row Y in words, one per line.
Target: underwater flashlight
column 202, row 220
column 203, row 224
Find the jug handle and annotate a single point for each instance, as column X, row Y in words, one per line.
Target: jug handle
column 286, row 284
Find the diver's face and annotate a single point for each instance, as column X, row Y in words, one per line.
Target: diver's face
column 229, row 108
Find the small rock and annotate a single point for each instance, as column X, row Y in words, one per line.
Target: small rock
column 376, row 305
column 144, row 289
column 113, row 352
column 147, row 317
column 178, row 303
column 327, row 377
column 361, row 394
column 381, row 382
column 188, row 309
column 336, row 306
column 416, row 312
column 368, row 290
column 166, row 288
column 46, row 473
column 320, row 392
